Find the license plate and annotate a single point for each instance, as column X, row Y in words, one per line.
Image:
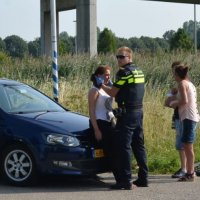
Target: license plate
column 98, row 153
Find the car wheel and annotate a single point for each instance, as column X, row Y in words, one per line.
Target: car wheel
column 18, row 166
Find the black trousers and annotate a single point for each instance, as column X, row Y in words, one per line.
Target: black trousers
column 129, row 138
column 107, row 140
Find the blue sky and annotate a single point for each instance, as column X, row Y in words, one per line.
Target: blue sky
column 126, row 18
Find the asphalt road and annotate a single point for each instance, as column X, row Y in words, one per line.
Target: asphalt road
column 161, row 187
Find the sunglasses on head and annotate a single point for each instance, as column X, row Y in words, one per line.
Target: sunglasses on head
column 120, row 56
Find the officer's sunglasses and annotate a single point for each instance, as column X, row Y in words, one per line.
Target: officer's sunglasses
column 120, row 56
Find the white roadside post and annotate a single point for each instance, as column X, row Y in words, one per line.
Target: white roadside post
column 54, row 49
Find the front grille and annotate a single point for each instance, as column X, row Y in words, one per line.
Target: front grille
column 92, row 166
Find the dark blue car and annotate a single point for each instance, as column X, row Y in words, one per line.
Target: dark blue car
column 39, row 136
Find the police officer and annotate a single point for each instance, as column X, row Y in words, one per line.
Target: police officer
column 128, row 90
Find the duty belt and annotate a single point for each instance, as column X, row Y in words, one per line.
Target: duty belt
column 134, row 107
column 118, row 112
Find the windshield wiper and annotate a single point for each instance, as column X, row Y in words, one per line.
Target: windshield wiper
column 42, row 113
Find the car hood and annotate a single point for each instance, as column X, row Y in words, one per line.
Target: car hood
column 66, row 121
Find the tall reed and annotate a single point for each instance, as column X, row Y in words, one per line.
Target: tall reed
column 74, row 83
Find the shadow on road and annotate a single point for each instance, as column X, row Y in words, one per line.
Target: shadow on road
column 73, row 184
column 58, row 184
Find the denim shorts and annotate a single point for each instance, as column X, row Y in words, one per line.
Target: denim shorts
column 178, row 127
column 189, row 131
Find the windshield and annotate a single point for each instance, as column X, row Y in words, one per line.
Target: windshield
column 24, row 99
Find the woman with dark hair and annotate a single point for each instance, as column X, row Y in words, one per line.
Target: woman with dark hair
column 100, row 109
column 186, row 102
column 176, row 124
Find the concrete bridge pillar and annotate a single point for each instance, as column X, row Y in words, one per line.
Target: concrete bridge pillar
column 86, row 26
column 86, row 23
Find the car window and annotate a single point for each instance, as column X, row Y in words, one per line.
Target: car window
column 22, row 98
column 3, row 101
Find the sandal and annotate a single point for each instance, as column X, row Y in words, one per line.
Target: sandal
column 187, row 178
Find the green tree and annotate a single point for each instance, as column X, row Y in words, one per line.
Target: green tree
column 189, row 27
column 16, row 46
column 198, row 39
column 181, row 40
column 34, row 48
column 98, row 32
column 65, row 43
column 164, row 44
column 168, row 35
column 137, row 44
column 2, row 45
column 122, row 42
column 106, row 41
column 150, row 43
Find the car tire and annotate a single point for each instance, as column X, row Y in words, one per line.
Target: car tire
column 18, row 166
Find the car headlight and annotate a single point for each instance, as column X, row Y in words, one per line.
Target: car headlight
column 65, row 140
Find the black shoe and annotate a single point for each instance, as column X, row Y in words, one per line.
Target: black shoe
column 139, row 183
column 178, row 174
column 119, row 186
